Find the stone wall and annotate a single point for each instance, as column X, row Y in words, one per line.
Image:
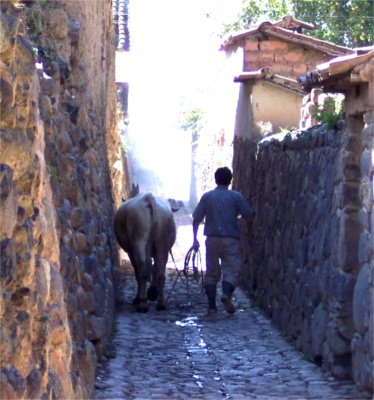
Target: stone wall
column 308, row 261
column 59, row 189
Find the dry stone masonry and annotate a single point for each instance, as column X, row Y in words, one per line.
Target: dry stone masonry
column 308, row 261
column 58, row 143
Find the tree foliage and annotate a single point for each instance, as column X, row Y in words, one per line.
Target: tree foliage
column 344, row 22
column 192, row 120
column 257, row 11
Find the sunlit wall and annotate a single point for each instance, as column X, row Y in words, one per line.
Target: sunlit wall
column 174, row 63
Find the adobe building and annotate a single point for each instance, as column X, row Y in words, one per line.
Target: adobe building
column 272, row 56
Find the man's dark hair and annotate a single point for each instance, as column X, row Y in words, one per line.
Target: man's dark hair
column 223, row 176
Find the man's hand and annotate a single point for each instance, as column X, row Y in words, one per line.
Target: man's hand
column 196, row 244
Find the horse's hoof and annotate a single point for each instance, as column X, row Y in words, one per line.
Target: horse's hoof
column 142, row 310
column 136, row 301
column 152, row 293
column 161, row 307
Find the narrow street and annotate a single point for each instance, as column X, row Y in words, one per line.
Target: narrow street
column 185, row 354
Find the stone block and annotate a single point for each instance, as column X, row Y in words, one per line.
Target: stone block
column 64, row 142
column 319, row 321
column 8, row 202
column 7, row 102
column 351, row 194
column 362, row 300
column 34, row 384
column 314, row 94
column 342, row 286
column 342, row 366
column 99, row 300
column 12, row 384
column 43, row 281
column 8, row 32
column 58, row 24
column 8, row 267
column 338, row 345
column 47, row 85
column 367, row 135
column 6, row 344
column 366, row 162
column 366, row 193
column 362, row 367
column 87, row 300
column 71, row 304
column 81, row 243
column 350, row 230
column 95, row 328
column 77, row 217
column 88, row 362
column 87, row 282
column 365, row 247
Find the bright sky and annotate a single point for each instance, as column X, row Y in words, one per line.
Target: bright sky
column 173, row 51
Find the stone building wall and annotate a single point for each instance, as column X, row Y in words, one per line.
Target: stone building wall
column 58, row 146
column 307, row 261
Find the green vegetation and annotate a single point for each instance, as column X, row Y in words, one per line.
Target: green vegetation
column 34, row 23
column 192, row 120
column 109, row 350
column 258, row 302
column 123, row 147
column 330, row 112
column 255, row 9
column 308, row 357
column 114, row 327
column 54, row 175
column 286, row 129
column 345, row 22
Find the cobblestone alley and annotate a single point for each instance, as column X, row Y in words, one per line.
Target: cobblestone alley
column 185, row 354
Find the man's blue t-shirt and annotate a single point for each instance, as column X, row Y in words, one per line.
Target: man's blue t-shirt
column 221, row 208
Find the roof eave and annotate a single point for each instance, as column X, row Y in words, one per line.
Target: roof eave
column 270, row 29
column 305, row 40
column 268, row 76
column 334, row 72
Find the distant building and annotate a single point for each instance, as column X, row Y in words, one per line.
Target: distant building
column 273, row 56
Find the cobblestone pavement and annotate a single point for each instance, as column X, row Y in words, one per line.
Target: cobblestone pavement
column 184, row 353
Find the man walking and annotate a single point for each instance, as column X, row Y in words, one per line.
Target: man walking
column 221, row 207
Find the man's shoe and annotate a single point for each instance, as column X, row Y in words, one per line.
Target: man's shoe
column 227, row 303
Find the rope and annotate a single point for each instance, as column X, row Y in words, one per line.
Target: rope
column 191, row 272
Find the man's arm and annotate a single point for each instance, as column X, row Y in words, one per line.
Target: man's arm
column 195, row 228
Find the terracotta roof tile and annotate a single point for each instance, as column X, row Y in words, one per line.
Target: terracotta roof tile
column 335, row 68
column 287, row 34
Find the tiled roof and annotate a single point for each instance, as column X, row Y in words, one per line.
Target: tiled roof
column 285, row 30
column 336, row 71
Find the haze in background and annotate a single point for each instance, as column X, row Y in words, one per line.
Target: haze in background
column 174, row 63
